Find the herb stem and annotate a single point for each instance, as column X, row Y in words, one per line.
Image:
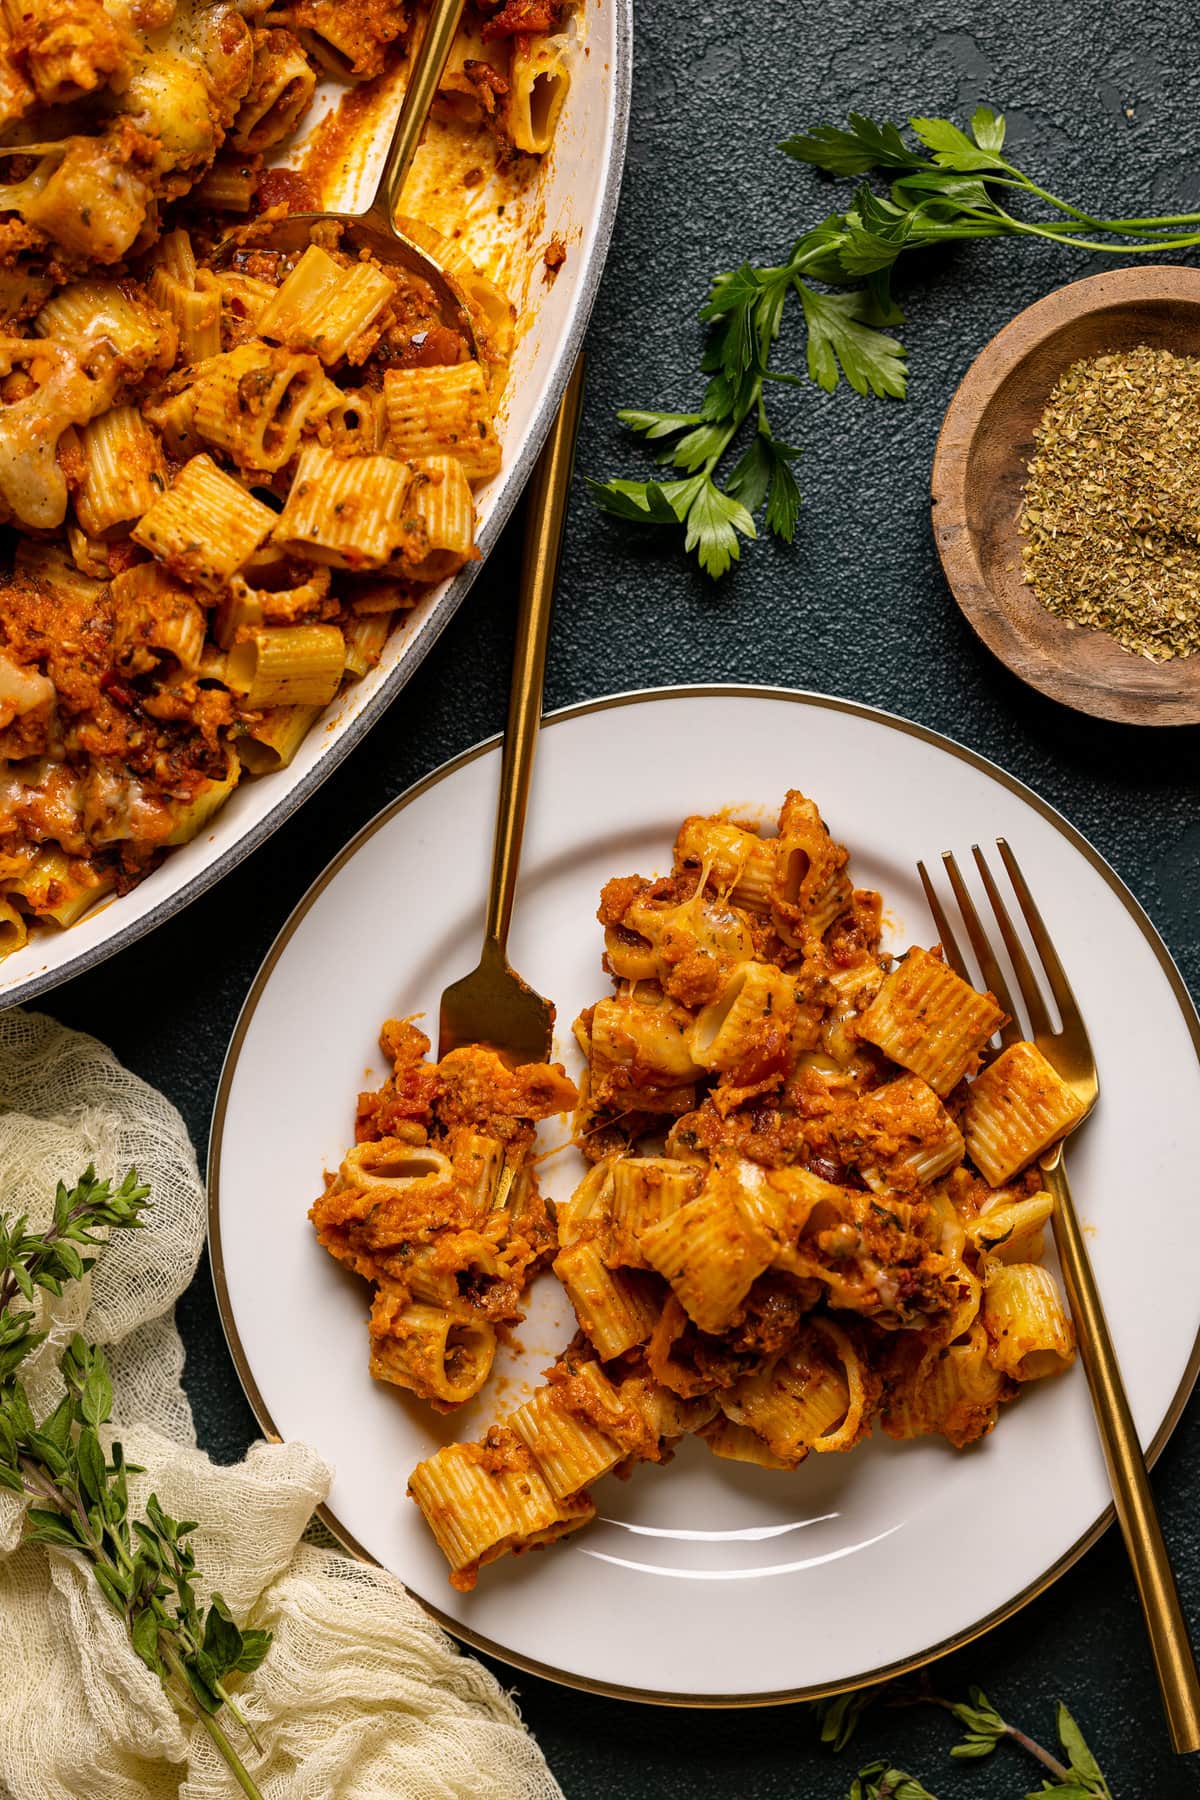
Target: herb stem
column 221, row 1742
column 1038, row 1751
column 239, row 1715
column 1147, row 224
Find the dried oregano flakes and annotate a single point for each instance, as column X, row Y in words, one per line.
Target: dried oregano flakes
column 1111, row 510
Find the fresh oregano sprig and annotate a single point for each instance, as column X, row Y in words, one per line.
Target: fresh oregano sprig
column 1077, row 1778
column 78, row 1493
column 46, row 1259
column 952, row 185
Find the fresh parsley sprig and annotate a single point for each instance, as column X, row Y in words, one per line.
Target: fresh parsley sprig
column 950, row 186
column 78, row 1492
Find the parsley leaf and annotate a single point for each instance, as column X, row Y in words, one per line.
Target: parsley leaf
column 865, row 146
column 840, row 338
column 952, row 148
column 713, row 522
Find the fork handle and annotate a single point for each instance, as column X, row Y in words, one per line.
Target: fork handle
column 545, row 517
column 1174, row 1659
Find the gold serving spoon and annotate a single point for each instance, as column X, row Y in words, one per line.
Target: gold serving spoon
column 375, row 230
column 493, row 1005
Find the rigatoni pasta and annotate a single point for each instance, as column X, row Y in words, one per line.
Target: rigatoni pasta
column 808, row 1209
column 230, row 476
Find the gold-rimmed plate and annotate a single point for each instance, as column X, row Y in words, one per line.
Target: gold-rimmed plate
column 704, row 1583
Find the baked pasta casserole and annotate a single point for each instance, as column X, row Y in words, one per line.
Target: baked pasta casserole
column 811, row 1205
column 222, row 480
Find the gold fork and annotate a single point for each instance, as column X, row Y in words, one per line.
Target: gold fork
column 493, row 1005
column 1069, row 1051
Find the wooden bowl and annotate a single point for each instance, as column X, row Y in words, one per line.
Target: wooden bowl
column 979, row 468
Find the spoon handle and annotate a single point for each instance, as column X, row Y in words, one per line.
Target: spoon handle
column 424, row 72
column 545, row 514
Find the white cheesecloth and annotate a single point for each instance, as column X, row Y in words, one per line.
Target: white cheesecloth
column 362, row 1696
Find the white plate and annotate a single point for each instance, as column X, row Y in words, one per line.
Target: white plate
column 704, row 1581
column 575, row 199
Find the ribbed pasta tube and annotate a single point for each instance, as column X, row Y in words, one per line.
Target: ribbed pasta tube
column 614, row 1309
column 395, row 1164
column 539, row 81
column 1012, row 1229
column 811, row 886
column 588, row 1213
column 712, row 1249
column 281, row 88
column 570, row 1452
column 192, row 300
column 645, row 1035
column 59, row 888
column 432, row 1271
column 738, row 1443
column 739, row 863
column 1026, row 1322
column 646, row 1190
column 802, row 1400
column 756, row 1008
column 438, row 518
column 442, row 412
column 365, row 641
column 349, row 511
column 228, row 185
column 206, row 526
column 268, row 593
column 68, row 51
column 666, row 1416
column 243, row 299
column 907, row 1138
column 254, row 402
column 478, row 1159
column 192, row 815
column 358, row 424
column 155, row 616
column 955, row 1390
column 125, row 471
column 929, row 1020
column 85, row 313
column 1015, row 1109
column 440, row 1356
column 274, row 740
column 325, row 308
column 14, row 931
column 481, row 1501
column 465, row 100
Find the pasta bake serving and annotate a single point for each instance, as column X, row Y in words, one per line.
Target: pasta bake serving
column 223, row 479
column 809, row 1207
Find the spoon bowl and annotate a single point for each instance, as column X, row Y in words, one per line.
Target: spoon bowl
column 375, row 232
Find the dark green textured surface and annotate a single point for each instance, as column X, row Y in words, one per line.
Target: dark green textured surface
column 1102, row 101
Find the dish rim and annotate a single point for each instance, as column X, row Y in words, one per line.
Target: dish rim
column 443, row 610
column 701, row 690
column 1110, row 290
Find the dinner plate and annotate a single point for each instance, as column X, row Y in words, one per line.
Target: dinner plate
column 705, row 1582
column 573, row 201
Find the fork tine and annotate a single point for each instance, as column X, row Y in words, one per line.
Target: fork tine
column 1031, row 993
column 953, row 954
column 993, row 974
column 1056, row 975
